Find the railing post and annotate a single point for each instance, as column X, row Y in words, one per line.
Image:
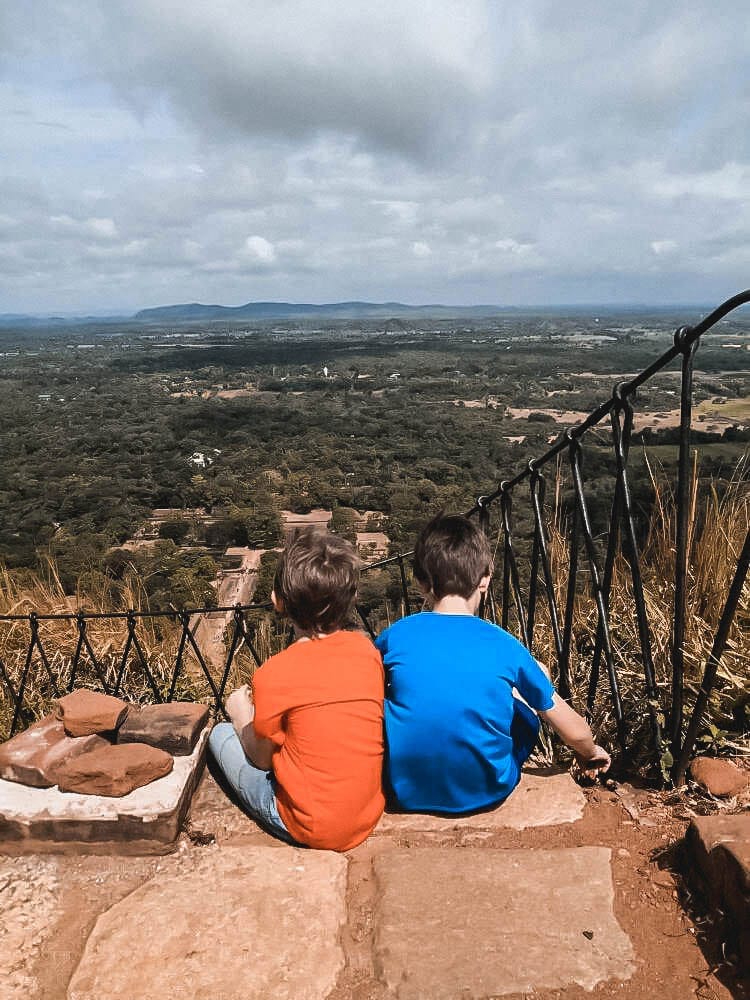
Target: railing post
column 510, row 569
column 621, row 436
column 537, row 484
column 603, row 621
column 688, row 348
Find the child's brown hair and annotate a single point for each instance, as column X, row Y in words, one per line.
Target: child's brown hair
column 316, row 581
column 451, row 556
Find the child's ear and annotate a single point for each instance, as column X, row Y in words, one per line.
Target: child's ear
column 484, row 584
column 278, row 604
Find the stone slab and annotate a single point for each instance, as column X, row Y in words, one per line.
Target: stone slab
column 84, row 712
column 33, row 756
column 539, row 800
column 174, row 727
column 718, row 852
column 482, row 922
column 146, row 821
column 243, row 924
column 114, row 770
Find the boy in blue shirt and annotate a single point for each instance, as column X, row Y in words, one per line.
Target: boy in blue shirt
column 456, row 736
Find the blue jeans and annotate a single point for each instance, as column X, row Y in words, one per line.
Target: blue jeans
column 254, row 788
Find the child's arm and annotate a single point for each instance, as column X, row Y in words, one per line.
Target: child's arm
column 241, row 712
column 574, row 731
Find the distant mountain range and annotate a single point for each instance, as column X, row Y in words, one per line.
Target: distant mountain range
column 195, row 311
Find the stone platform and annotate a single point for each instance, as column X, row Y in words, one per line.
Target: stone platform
column 145, row 821
column 556, row 895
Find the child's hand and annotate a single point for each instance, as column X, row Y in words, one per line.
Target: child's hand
column 240, row 708
column 591, row 764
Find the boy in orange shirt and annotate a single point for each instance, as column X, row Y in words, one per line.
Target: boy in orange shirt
column 304, row 749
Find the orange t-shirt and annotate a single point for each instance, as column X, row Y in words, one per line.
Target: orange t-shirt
column 321, row 703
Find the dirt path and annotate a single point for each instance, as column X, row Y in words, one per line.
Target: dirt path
column 235, row 586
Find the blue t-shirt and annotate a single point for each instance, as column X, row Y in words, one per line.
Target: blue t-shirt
column 449, row 709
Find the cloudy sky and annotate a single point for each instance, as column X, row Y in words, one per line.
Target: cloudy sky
column 456, row 151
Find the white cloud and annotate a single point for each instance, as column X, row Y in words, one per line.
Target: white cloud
column 660, row 247
column 258, row 248
column 103, row 228
column 514, row 247
column 437, row 150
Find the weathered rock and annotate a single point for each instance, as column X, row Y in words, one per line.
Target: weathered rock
column 84, row 712
column 33, row 756
column 114, row 770
column 718, row 849
column 244, row 924
column 719, row 777
column 478, row 922
column 174, row 727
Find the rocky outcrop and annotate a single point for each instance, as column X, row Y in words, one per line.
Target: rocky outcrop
column 718, row 852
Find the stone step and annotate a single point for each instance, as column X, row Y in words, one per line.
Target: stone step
column 480, row 922
column 541, row 799
column 239, row 924
column 249, row 923
column 718, row 851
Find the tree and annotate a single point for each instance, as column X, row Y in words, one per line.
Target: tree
column 175, row 529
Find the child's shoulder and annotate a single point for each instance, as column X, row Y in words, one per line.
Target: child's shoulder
column 429, row 623
column 345, row 642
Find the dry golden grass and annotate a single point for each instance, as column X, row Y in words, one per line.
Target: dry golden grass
column 718, row 524
column 158, row 638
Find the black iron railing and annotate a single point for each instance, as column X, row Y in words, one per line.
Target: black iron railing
column 531, row 594
column 671, row 748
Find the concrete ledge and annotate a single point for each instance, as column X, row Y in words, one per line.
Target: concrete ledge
column 540, row 800
column 146, row 821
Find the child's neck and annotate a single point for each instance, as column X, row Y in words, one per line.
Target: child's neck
column 453, row 604
column 307, row 636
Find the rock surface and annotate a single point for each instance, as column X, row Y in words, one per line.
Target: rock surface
column 174, row 727
column 721, row 778
column 34, row 756
column 242, row 925
column 539, row 800
column 114, row 770
column 29, row 892
column 84, row 712
column 719, row 851
column 484, row 922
